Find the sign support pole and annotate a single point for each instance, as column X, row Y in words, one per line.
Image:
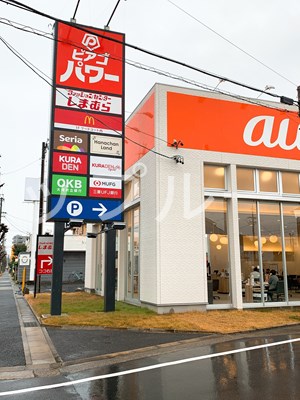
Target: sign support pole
column 110, row 262
column 57, row 268
column 41, row 207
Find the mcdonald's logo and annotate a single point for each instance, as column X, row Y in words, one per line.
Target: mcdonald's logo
column 88, row 120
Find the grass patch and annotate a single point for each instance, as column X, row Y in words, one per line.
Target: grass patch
column 84, row 309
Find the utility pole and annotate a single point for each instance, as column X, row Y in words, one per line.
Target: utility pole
column 41, row 209
column 298, row 91
column 1, row 200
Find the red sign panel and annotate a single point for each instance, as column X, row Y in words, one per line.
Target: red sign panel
column 44, row 265
column 106, row 188
column 44, row 255
column 233, row 127
column 69, row 163
column 89, row 61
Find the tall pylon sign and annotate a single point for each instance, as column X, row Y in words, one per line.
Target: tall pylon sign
column 86, row 165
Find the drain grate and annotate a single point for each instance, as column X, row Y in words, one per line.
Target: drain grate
column 30, row 324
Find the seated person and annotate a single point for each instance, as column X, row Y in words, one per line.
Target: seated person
column 254, row 276
column 272, row 284
column 267, row 275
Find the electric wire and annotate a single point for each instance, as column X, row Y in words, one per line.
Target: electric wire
column 21, row 219
column 112, row 14
column 17, row 228
column 145, row 51
column 57, row 89
column 230, row 42
column 76, row 8
column 172, row 76
column 151, row 69
column 20, row 168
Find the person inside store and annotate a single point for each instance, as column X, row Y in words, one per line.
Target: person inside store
column 254, row 276
column 267, row 275
column 273, row 281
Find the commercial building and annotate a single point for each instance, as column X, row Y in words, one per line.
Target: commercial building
column 211, row 192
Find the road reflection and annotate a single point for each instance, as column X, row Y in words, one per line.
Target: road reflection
column 270, row 372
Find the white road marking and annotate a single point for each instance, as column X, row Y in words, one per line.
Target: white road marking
column 148, row 368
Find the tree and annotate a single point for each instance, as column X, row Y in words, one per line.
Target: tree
column 18, row 248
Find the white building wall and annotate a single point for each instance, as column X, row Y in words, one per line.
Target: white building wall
column 172, row 223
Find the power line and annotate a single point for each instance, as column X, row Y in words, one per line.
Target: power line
column 163, row 73
column 97, row 119
column 18, row 229
column 145, row 51
column 19, row 169
column 76, row 8
column 233, row 44
column 112, row 14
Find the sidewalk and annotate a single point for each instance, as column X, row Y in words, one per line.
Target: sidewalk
column 28, row 349
column 24, row 344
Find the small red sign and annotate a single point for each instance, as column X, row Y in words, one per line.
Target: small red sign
column 44, row 264
column 82, row 121
column 69, row 163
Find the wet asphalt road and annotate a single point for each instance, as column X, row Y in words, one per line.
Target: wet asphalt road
column 265, row 373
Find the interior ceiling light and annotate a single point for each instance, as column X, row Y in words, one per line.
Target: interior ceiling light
column 266, row 176
column 224, row 240
column 219, row 171
column 213, row 237
column 263, row 240
column 218, row 246
column 273, row 238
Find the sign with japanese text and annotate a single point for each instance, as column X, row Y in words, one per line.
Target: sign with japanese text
column 69, row 185
column 103, row 187
column 109, row 145
column 44, row 254
column 105, row 166
column 82, row 121
column 86, row 165
column 91, row 102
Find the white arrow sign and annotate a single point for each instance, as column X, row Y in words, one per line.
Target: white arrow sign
column 102, row 209
column 48, row 262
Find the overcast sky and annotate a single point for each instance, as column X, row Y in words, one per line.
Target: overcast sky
column 191, row 31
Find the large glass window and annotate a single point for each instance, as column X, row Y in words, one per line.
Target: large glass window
column 132, row 218
column 290, row 182
column 267, row 181
column 263, row 252
column 217, row 254
column 291, row 219
column 245, row 179
column 248, row 238
column 214, row 177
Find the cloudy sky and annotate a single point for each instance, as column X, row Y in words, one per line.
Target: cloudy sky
column 253, row 42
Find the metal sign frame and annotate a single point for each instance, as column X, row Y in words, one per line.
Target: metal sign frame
column 87, row 102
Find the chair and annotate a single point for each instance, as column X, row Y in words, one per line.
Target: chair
column 278, row 292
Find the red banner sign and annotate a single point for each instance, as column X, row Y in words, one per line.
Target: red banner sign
column 69, row 163
column 44, row 255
